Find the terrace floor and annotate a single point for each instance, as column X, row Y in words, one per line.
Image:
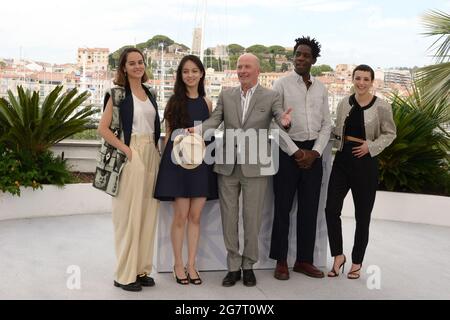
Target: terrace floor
column 410, row 261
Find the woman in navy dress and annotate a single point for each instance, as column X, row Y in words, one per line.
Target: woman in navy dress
column 189, row 189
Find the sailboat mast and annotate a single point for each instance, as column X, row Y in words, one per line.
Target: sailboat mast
column 202, row 38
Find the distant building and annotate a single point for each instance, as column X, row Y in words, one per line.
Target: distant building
column 221, row 51
column 344, row 71
column 379, row 74
column 402, row 77
column 197, row 41
column 176, row 48
column 93, row 59
column 266, row 79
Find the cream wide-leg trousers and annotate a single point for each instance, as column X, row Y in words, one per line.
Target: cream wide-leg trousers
column 134, row 211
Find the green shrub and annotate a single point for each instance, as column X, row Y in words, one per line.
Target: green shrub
column 33, row 171
column 418, row 160
column 27, row 125
column 29, row 128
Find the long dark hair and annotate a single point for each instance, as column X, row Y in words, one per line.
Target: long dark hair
column 176, row 112
column 121, row 79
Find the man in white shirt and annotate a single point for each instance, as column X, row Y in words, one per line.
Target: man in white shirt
column 301, row 171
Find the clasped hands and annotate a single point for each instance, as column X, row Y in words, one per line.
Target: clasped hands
column 305, row 158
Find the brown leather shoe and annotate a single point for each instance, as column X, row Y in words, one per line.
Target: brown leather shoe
column 308, row 268
column 281, row 270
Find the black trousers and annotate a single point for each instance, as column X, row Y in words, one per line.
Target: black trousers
column 306, row 182
column 360, row 175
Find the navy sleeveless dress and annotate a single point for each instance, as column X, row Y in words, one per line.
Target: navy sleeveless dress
column 176, row 182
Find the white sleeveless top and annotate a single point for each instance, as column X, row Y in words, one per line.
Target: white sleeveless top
column 143, row 116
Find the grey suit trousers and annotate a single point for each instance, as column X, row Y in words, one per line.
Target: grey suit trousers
column 253, row 192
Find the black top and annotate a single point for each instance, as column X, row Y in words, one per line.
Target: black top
column 354, row 124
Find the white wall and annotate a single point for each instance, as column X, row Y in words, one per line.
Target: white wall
column 406, row 207
column 72, row 199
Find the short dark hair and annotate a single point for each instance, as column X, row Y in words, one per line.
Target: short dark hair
column 121, row 79
column 364, row 67
column 312, row 43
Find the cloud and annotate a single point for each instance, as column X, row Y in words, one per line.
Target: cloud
column 327, row 6
column 52, row 30
column 377, row 20
column 93, row 23
column 305, row 5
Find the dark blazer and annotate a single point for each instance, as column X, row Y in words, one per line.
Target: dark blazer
column 126, row 108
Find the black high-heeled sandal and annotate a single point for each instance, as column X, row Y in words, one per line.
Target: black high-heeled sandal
column 355, row 274
column 195, row 281
column 333, row 273
column 183, row 281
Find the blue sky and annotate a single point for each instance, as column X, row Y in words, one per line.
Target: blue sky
column 380, row 33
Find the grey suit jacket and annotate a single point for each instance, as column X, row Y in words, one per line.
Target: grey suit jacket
column 265, row 105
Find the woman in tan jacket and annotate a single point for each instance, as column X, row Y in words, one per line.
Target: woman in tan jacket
column 364, row 127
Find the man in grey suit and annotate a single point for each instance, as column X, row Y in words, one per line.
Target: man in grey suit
column 247, row 112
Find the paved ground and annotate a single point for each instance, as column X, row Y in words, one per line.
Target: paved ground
column 413, row 262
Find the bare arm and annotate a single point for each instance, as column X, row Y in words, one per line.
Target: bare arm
column 168, row 133
column 107, row 134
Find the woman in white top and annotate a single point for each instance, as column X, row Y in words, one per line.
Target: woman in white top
column 134, row 210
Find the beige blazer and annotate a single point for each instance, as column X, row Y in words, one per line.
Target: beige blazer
column 378, row 123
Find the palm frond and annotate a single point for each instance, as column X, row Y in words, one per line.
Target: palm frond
column 62, row 107
column 435, row 79
column 437, row 24
column 31, row 127
column 417, row 158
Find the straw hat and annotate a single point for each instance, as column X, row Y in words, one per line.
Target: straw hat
column 188, row 150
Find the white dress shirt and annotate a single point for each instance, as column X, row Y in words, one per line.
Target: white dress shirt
column 310, row 112
column 245, row 100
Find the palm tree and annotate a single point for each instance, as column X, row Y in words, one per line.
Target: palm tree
column 436, row 78
column 28, row 129
column 419, row 158
column 27, row 126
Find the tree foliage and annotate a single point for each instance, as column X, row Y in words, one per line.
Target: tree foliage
column 257, row 49
column 320, row 69
column 235, row 49
column 277, row 49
